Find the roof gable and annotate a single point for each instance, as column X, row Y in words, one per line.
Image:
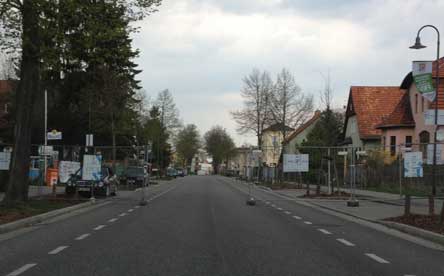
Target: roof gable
column 371, row 104
column 278, row 127
column 401, row 116
column 304, row 126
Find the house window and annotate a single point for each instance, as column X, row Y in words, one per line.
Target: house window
column 424, row 139
column 392, row 145
column 408, row 141
column 416, row 103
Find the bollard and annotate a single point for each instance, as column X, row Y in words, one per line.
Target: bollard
column 407, row 202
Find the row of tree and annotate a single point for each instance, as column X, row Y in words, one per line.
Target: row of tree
column 81, row 53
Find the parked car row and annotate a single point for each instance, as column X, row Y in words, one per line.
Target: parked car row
column 108, row 183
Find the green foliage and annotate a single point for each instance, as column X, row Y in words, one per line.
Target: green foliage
column 327, row 130
column 187, row 143
column 219, row 145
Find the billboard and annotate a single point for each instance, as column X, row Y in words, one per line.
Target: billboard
column 296, row 162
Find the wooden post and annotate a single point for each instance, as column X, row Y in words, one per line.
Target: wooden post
column 407, row 205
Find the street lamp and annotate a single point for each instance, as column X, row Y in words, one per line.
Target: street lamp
column 418, row 45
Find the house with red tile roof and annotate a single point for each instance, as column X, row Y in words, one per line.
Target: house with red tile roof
column 391, row 117
column 272, row 143
column 298, row 136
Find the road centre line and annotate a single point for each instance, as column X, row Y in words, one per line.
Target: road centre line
column 280, row 209
column 347, row 243
column 123, row 214
column 113, row 220
column 81, row 237
column 308, row 222
column 130, row 210
column 99, row 227
column 377, row 258
column 297, row 217
column 287, row 212
column 21, row 270
column 57, row 250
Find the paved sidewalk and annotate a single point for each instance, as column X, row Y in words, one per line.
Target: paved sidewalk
column 370, row 208
column 38, row 191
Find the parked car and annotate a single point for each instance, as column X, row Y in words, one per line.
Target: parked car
column 106, row 186
column 136, row 176
column 181, row 172
column 171, row 172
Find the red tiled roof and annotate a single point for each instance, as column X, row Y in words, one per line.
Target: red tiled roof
column 300, row 129
column 401, row 115
column 371, row 104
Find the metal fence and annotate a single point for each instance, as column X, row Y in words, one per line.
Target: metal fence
column 373, row 168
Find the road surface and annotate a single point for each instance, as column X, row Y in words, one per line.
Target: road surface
column 200, row 225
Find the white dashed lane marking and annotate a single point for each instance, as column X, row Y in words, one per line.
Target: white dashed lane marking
column 297, row 217
column 288, row 213
column 130, row 210
column 324, row 231
column 272, row 205
column 347, row 243
column 112, row 220
column 267, row 203
column 99, row 227
column 57, row 250
column 81, row 237
column 280, row 209
column 123, row 214
column 21, row 270
column 377, row 258
column 137, row 206
column 308, row 222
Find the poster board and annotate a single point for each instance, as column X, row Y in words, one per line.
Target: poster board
column 92, row 167
column 66, row 168
column 5, row 160
column 413, row 164
column 296, row 162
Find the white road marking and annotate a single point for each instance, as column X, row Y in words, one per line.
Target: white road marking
column 288, row 213
column 324, row 231
column 137, row 206
column 113, row 220
column 280, row 209
column 21, row 270
column 81, row 237
column 57, row 250
column 123, row 214
column 267, row 203
column 297, row 217
column 273, row 205
column 308, row 222
column 130, row 210
column 99, row 227
column 377, row 258
column 345, row 242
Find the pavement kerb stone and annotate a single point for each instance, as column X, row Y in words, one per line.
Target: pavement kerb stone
column 29, row 221
column 415, row 231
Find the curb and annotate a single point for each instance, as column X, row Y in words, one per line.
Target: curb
column 415, row 231
column 29, row 221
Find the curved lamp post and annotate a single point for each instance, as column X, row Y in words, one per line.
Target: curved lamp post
column 418, row 45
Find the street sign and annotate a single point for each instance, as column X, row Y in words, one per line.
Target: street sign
column 361, row 152
column 295, row 162
column 89, row 140
column 54, row 135
column 342, row 153
column 46, row 150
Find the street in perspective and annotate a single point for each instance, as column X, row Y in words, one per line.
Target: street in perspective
column 227, row 138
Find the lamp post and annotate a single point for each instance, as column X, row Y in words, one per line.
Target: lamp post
column 418, row 46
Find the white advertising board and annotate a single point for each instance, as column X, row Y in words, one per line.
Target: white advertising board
column 413, row 164
column 5, row 160
column 92, row 167
column 439, row 161
column 66, row 168
column 295, row 162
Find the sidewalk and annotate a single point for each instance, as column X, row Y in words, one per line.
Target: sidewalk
column 372, row 205
column 38, row 191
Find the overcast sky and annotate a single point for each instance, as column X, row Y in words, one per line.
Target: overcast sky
column 201, row 49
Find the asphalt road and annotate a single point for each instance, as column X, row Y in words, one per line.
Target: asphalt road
column 202, row 226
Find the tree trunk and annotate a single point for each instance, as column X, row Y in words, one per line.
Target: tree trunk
column 113, row 134
column 28, row 87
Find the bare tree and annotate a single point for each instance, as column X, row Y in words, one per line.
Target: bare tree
column 289, row 106
column 7, row 68
column 255, row 115
column 169, row 114
column 327, row 94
